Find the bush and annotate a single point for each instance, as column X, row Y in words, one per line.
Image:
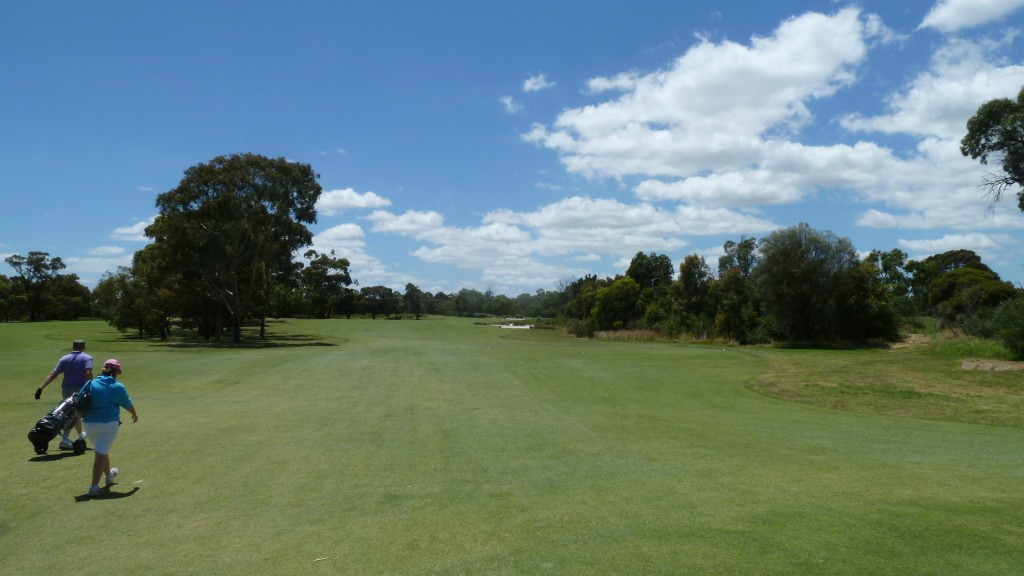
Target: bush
column 1009, row 325
column 984, row 324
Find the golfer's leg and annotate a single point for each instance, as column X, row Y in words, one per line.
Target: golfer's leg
column 101, row 462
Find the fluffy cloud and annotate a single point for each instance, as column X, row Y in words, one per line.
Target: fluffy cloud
column 106, row 251
column 349, row 241
column 537, row 83
column 510, row 104
column 133, row 233
column 517, row 248
column 717, row 107
column 332, row 202
column 713, row 143
column 994, row 249
column 953, row 15
column 937, row 102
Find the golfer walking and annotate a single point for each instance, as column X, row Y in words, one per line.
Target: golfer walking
column 77, row 370
column 104, row 419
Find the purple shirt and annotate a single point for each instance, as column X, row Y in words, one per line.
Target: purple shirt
column 73, row 366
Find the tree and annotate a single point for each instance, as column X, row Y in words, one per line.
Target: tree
column 348, row 303
column 864, row 306
column 6, row 298
column 36, row 275
column 804, row 279
column 502, row 305
column 891, row 269
column 1009, row 324
column 962, row 292
column 379, row 300
column 739, row 256
column 996, row 131
column 582, row 297
column 650, row 270
column 139, row 297
column 470, row 302
column 694, row 291
column 230, row 225
column 413, row 300
column 927, row 271
column 735, row 301
column 324, row 280
column 615, row 306
column 441, row 304
column 68, row 298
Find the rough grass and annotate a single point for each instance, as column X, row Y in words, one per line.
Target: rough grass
column 443, row 447
column 629, row 335
column 931, row 377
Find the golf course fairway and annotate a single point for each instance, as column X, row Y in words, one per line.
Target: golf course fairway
column 447, row 446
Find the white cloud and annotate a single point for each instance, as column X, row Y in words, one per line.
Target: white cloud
column 621, row 82
column 1000, row 250
column 715, row 136
column 719, row 106
column 106, row 251
column 537, row 83
column 512, row 248
column 91, row 268
column 510, row 104
column 134, row 233
column 335, row 201
column 411, row 223
column 938, row 102
column 953, row 15
column 349, row 241
column 876, row 29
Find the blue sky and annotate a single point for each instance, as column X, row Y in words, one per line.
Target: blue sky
column 511, row 146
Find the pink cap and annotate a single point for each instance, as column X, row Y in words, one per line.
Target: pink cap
column 113, row 363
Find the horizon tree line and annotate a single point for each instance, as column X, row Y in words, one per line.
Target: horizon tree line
column 224, row 238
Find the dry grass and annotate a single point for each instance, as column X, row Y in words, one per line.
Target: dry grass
column 918, row 378
column 628, row 335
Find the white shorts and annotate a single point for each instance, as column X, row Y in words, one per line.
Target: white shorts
column 102, row 435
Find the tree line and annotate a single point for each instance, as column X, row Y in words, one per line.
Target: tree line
column 797, row 285
column 224, row 240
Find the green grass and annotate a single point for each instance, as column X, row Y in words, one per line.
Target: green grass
column 927, row 380
column 444, row 447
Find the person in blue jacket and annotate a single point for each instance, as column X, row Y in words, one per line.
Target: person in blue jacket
column 103, row 420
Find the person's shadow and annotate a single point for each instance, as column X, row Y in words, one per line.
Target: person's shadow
column 51, row 456
column 107, row 494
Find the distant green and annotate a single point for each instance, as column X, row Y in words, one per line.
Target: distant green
column 443, row 446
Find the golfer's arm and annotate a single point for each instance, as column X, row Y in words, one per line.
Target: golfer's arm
column 49, row 378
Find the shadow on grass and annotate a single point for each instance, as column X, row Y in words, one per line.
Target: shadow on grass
column 51, row 457
column 185, row 338
column 251, row 342
column 107, row 494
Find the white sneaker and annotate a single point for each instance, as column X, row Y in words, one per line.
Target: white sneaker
column 82, row 436
column 95, row 491
column 111, row 476
column 66, row 444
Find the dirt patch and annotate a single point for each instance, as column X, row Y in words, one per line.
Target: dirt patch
column 991, row 365
column 912, row 340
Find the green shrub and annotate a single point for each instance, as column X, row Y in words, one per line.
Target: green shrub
column 1009, row 325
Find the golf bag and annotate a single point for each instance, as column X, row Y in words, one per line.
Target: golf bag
column 49, row 426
